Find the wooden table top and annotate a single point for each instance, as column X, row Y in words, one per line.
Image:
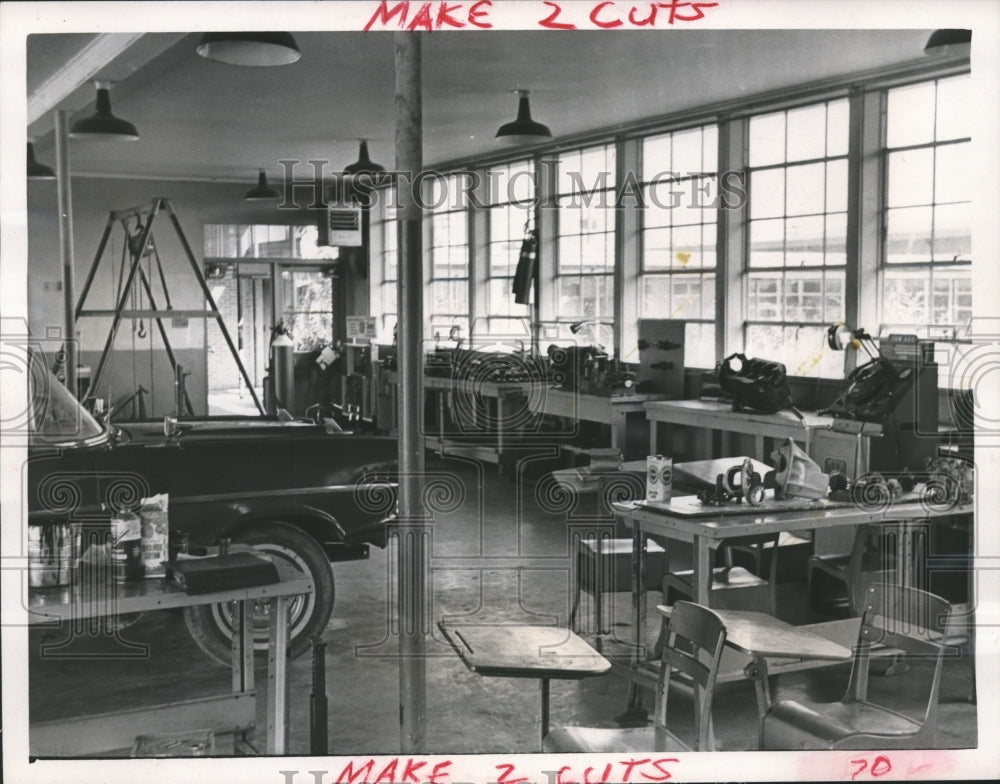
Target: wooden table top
column 525, row 651
column 47, row 605
column 760, row 634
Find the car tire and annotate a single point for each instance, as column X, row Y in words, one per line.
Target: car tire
column 210, row 625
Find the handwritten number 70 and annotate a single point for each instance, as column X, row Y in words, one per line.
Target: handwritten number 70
column 879, row 767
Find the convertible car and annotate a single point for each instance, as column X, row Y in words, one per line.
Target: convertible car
column 306, row 492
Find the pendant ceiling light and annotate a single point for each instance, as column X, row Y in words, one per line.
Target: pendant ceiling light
column 249, row 48
column 36, row 170
column 103, row 125
column 949, row 42
column 364, row 164
column 523, row 130
column 263, row 191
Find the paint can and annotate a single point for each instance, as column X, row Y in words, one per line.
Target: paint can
column 659, row 478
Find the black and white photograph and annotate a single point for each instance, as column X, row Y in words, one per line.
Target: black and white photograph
column 519, row 392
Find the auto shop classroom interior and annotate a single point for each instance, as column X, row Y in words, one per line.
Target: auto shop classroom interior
column 467, row 455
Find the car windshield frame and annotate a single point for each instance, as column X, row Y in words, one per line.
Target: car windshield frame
column 57, row 417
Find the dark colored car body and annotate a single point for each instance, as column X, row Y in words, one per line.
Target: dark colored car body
column 298, row 491
column 221, row 476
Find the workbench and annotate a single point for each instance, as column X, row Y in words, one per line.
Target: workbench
column 684, row 519
column 814, row 431
column 474, row 418
column 100, row 734
column 613, row 410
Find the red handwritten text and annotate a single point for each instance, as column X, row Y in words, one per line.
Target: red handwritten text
column 879, row 767
column 603, row 15
column 427, row 19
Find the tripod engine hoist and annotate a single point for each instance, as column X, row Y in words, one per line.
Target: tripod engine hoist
column 137, row 223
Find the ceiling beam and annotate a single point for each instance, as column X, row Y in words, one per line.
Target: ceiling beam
column 78, row 70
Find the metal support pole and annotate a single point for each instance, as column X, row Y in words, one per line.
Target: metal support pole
column 413, row 569
column 65, row 203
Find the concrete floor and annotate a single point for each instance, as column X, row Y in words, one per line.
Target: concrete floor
column 477, row 513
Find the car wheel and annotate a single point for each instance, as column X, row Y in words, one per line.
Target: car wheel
column 211, row 625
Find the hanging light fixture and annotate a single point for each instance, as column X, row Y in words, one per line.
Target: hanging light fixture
column 103, row 125
column 263, row 191
column 36, row 170
column 523, row 130
column 364, row 164
column 249, row 48
column 949, row 42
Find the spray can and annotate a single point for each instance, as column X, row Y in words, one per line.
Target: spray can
column 126, row 547
column 659, row 478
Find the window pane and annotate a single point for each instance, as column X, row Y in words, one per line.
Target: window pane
column 806, row 133
column 596, row 252
column 584, row 297
column 570, row 255
column 836, row 186
column 699, row 345
column 656, row 249
column 767, row 193
column 803, row 350
column 655, row 156
column 908, row 235
column 905, row 297
column 687, row 154
column 911, row 176
column 836, row 239
column 678, row 296
column 953, row 233
column 910, row 115
column 767, row 239
column 952, row 173
column 953, row 102
column 806, row 189
column 767, row 139
column 804, row 241
column 764, row 297
column 837, row 127
column 501, row 298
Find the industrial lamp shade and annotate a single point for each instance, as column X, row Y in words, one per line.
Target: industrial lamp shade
column 259, row 49
column 36, row 170
column 263, row 192
column 103, row 125
column 949, row 42
column 523, row 130
column 364, row 164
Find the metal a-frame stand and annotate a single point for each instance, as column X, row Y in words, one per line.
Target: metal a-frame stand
column 138, row 248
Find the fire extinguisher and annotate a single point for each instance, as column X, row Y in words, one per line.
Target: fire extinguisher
column 281, row 372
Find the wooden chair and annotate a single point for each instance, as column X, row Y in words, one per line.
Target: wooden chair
column 909, row 619
column 695, row 638
column 734, row 587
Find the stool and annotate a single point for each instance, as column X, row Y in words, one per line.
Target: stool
column 733, row 587
column 604, row 565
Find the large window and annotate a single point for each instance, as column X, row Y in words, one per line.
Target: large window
column 797, row 235
column 511, row 209
column 677, row 266
column 385, row 285
column 447, row 300
column 584, row 275
column 926, row 280
column 228, row 241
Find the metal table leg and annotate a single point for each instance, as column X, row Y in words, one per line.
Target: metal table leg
column 545, row 711
column 242, row 659
column 634, row 711
column 277, row 677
